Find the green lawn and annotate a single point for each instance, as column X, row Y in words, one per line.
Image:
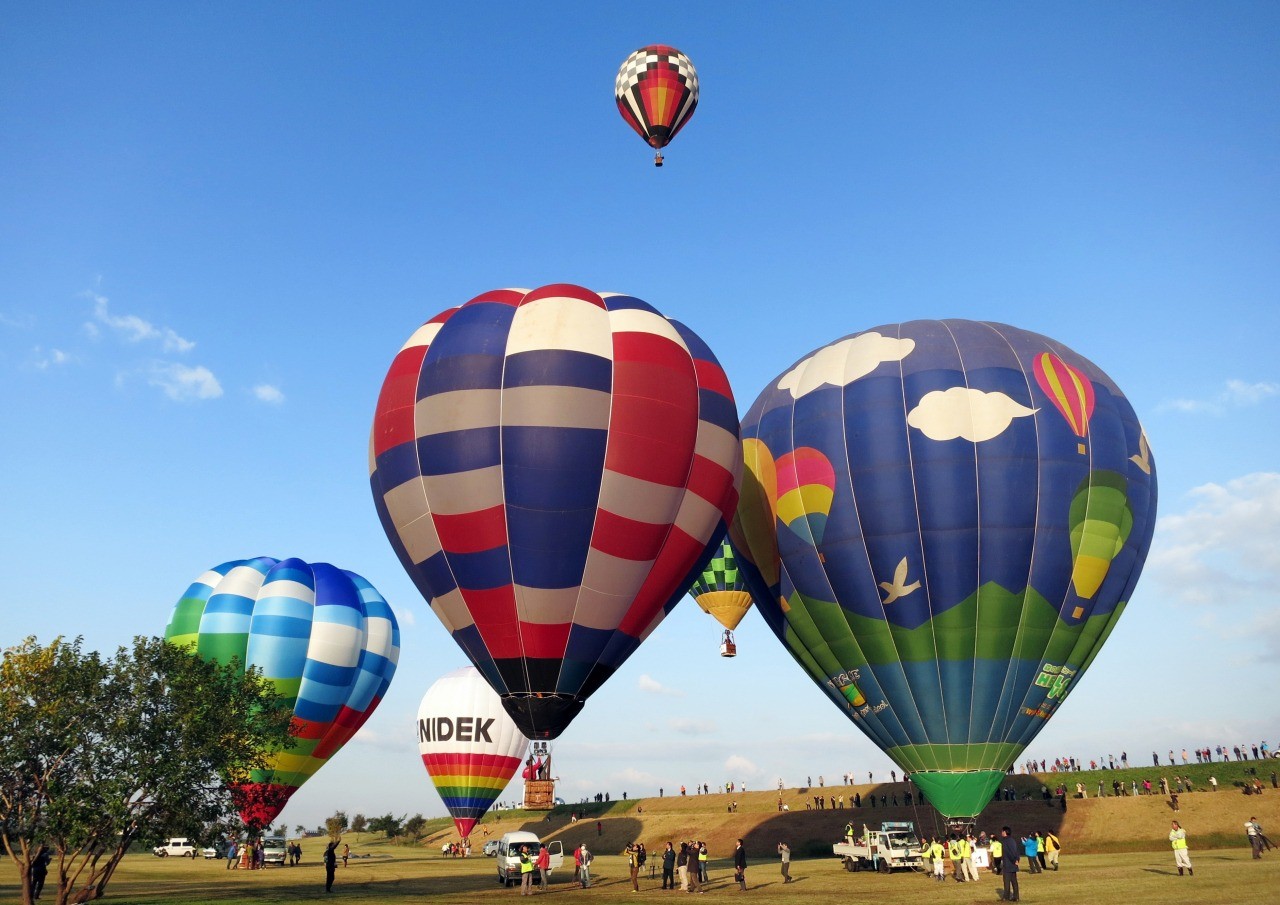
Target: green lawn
column 392, row 873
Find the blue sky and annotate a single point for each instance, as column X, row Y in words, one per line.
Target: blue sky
column 219, row 223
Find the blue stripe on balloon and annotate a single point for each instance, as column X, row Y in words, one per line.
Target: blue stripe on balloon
column 545, row 489
column 435, row 574
column 480, row 329
column 718, row 410
column 627, row 302
column 558, row 367
column 458, row 451
column 483, row 570
column 460, row 372
column 553, row 449
column 391, row 469
column 281, row 626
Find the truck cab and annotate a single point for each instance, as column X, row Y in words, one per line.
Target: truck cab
column 509, row 855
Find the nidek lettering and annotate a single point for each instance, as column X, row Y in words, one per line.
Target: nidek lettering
column 462, row 728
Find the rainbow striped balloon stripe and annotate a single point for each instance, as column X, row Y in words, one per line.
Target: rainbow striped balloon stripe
column 323, row 636
column 551, row 467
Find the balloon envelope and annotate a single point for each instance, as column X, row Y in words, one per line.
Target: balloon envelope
column 323, row 636
column 720, row 589
column 982, row 536
column 552, row 467
column 468, row 744
column 657, row 91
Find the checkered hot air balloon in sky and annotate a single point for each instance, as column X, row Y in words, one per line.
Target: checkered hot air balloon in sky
column 552, row 468
column 468, row 743
column 942, row 521
column 323, row 636
column 657, row 91
column 722, row 593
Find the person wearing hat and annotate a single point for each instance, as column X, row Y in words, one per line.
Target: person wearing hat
column 1181, row 857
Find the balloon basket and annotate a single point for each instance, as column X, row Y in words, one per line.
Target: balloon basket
column 539, row 794
column 727, row 646
column 657, row 160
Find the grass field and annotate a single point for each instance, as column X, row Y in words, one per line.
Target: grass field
column 1115, row 850
column 395, row 873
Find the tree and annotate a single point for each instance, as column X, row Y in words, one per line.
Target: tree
column 300, row 830
column 97, row 753
column 359, row 823
column 391, row 826
column 336, row 825
column 415, row 825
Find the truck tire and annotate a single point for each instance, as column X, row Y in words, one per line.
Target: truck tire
column 885, row 867
column 850, row 864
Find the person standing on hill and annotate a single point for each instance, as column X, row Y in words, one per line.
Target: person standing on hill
column 1181, row 857
column 1009, row 864
column 784, row 851
column 740, row 866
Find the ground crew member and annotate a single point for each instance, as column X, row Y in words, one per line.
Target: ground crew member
column 954, row 853
column 702, row 860
column 1181, row 857
column 848, row 831
column 967, row 859
column 936, row 853
column 1051, row 848
column 1040, row 848
column 526, row 872
column 997, row 852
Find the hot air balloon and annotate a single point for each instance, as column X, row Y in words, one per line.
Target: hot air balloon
column 1069, row 390
column 323, row 636
column 468, row 744
column 657, row 91
column 969, row 562
column 721, row 593
column 552, row 468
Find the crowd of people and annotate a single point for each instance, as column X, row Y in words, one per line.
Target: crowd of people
column 1206, row 755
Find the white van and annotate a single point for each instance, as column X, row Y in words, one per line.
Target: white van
column 509, row 855
column 179, row 847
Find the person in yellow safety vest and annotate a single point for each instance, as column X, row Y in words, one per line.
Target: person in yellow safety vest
column 954, row 853
column 702, row 860
column 848, row 831
column 997, row 852
column 1181, row 857
column 1051, row 848
column 936, row 855
column 1040, row 850
column 967, row 870
column 526, row 872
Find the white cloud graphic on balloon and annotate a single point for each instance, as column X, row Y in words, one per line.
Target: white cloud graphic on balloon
column 964, row 412
column 840, row 364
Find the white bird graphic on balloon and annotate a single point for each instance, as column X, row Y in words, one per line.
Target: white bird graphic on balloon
column 898, row 587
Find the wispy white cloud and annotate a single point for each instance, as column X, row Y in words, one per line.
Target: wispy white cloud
column 737, row 765
column 134, row 329
column 634, row 777
column 182, row 383
column 1235, row 394
column 1220, row 556
column 271, row 395
column 17, row 321
column 651, row 685
column 43, row 359
column 688, row 726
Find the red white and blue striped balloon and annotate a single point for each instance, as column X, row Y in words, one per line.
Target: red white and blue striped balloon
column 553, row 468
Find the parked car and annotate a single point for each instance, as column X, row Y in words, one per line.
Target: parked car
column 491, row 847
column 212, row 852
column 179, row 845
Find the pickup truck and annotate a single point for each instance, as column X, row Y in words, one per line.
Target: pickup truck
column 894, row 845
column 180, row 846
column 509, row 856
